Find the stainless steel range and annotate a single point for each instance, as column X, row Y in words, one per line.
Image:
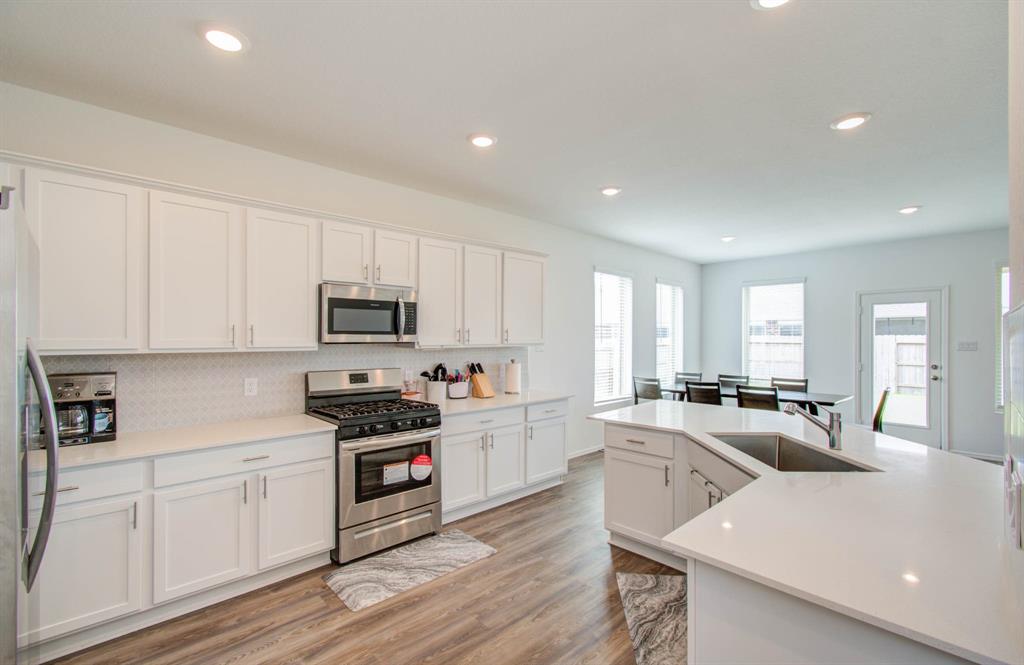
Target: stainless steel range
column 387, row 458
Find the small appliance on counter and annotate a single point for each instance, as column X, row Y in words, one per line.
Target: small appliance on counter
column 86, row 406
column 363, row 314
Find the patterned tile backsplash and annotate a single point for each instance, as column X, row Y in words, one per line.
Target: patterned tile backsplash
column 158, row 391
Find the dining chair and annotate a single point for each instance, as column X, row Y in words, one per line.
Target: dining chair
column 876, row 422
column 759, row 397
column 683, row 377
column 703, row 393
column 733, row 380
column 645, row 388
column 792, row 385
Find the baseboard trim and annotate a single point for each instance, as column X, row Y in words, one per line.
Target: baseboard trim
column 88, row 637
column 586, row 451
column 647, row 551
column 466, row 511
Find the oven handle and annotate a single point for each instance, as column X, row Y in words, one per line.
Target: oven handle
column 378, row 443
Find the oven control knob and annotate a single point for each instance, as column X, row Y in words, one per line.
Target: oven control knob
column 423, row 422
column 375, row 428
column 362, row 429
column 394, row 425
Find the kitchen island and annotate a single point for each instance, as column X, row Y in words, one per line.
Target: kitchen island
column 902, row 560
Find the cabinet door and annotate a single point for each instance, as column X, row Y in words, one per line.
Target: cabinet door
column 523, row 299
column 463, row 479
column 394, row 254
column 280, row 282
column 296, row 512
column 439, row 315
column 482, row 315
column 92, row 570
column 506, row 460
column 201, row 536
column 545, row 450
column 638, row 495
column 89, row 239
column 195, row 257
column 347, row 252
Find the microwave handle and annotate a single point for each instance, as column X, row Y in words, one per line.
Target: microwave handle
column 401, row 319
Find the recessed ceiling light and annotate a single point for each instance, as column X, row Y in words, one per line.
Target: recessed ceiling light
column 911, row 577
column 850, row 120
column 232, row 42
column 611, row 190
column 482, row 140
column 726, row 525
column 767, row 4
column 909, row 210
column 728, row 238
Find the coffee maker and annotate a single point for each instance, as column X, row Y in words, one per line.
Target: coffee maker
column 86, row 407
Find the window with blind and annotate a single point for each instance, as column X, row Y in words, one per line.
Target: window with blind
column 668, row 338
column 613, row 337
column 1002, row 307
column 773, row 330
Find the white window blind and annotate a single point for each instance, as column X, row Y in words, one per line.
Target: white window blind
column 668, row 331
column 773, row 330
column 1002, row 307
column 613, row 337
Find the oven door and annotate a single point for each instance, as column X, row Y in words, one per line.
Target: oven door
column 363, row 314
column 381, row 476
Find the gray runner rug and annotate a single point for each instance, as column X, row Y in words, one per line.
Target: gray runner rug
column 655, row 607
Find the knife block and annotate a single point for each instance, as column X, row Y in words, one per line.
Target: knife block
column 481, row 386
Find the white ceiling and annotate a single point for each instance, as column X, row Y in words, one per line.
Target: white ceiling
column 712, row 116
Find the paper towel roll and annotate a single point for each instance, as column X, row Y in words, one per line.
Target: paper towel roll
column 513, row 378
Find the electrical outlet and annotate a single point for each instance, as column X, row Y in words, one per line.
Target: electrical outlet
column 252, row 386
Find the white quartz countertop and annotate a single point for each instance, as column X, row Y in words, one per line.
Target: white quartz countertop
column 134, row 445
column 453, row 407
column 917, row 548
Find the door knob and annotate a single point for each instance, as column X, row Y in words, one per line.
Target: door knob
column 935, row 377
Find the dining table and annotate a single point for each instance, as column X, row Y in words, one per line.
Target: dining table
column 809, row 400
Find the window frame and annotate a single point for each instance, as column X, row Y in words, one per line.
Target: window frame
column 627, row 364
column 745, row 321
column 682, row 319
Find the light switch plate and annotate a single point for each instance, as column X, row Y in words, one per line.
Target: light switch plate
column 252, row 386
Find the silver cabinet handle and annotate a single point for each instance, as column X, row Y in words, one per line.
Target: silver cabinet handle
column 666, row 475
column 637, row 442
column 69, row 488
column 467, row 335
column 506, row 335
column 378, row 272
column 245, row 491
column 264, row 486
column 255, row 459
column 232, row 334
column 530, row 435
column 366, row 271
column 492, row 442
column 458, row 335
column 34, row 557
column 482, row 442
column 252, row 334
column 135, row 515
column 550, row 410
column 489, row 420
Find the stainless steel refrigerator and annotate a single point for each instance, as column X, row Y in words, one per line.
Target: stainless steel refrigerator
column 25, row 402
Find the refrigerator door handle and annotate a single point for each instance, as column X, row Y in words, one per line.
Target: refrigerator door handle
column 34, row 557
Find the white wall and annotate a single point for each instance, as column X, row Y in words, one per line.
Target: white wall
column 964, row 262
column 38, row 124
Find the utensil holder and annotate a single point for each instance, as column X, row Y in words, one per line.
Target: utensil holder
column 436, row 392
column 458, row 390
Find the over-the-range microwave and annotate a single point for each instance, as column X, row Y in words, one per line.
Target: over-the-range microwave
column 363, row 314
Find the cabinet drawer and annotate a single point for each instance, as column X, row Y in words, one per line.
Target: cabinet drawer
column 547, row 410
column 722, row 473
column 88, row 482
column 187, row 467
column 639, row 440
column 487, row 420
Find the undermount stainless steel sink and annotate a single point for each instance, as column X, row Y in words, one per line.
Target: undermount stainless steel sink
column 785, row 454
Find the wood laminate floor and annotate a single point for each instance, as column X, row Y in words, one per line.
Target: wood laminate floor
column 548, row 596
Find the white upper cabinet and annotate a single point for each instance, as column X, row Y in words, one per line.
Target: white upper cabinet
column 394, row 256
column 195, row 262
column 88, row 232
column 482, row 303
column 280, row 280
column 523, row 299
column 347, row 252
column 439, row 312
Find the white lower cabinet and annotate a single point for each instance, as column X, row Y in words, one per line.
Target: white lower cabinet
column 506, row 460
column 201, row 536
column 639, row 497
column 545, row 450
column 296, row 512
column 92, row 570
column 463, row 470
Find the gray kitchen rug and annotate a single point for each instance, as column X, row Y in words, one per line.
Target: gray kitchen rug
column 655, row 607
column 369, row 581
